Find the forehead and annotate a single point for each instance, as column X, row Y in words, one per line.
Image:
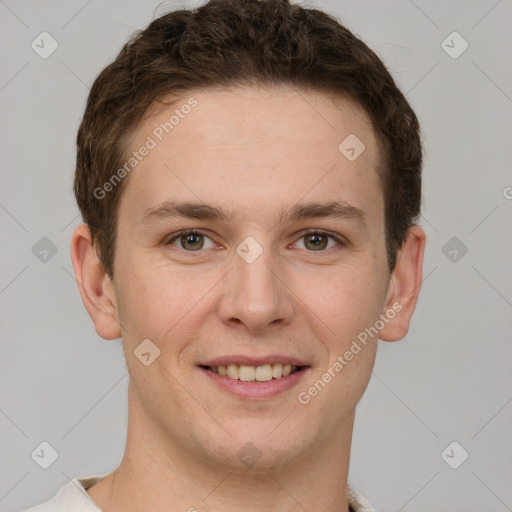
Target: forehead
column 255, row 147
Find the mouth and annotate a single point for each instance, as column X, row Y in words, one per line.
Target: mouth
column 258, row 381
column 260, row 373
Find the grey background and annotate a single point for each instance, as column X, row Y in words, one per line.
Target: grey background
column 448, row 380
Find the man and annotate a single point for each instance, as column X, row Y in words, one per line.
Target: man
column 250, row 180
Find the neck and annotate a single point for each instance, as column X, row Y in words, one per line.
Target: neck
column 158, row 475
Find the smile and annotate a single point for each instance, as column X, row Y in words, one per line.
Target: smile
column 255, row 382
column 261, row 373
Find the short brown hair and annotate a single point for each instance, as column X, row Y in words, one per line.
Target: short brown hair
column 227, row 43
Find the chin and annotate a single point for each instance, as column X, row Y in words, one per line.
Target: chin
column 260, row 447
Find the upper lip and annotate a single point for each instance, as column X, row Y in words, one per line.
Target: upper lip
column 254, row 361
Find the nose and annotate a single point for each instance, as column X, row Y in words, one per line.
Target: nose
column 256, row 295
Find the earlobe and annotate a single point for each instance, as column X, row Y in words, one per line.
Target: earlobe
column 404, row 287
column 95, row 286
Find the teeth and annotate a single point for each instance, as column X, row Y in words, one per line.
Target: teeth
column 232, row 371
column 277, row 370
column 264, row 373
column 248, row 373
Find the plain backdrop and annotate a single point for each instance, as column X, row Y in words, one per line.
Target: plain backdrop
column 448, row 381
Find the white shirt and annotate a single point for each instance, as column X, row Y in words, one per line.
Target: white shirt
column 73, row 497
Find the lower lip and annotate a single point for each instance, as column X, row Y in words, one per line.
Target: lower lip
column 254, row 389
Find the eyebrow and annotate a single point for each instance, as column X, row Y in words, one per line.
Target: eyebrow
column 201, row 211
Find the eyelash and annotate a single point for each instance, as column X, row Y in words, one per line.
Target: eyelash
column 341, row 241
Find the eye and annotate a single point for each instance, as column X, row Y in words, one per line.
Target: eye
column 317, row 240
column 190, row 240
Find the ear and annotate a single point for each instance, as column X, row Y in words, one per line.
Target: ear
column 404, row 286
column 96, row 288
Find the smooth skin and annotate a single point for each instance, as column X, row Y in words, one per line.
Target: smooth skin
column 253, row 152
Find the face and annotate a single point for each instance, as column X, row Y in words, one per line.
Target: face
column 272, row 273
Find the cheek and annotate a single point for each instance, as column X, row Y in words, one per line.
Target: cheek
column 158, row 300
column 144, row 297
column 351, row 305
column 346, row 300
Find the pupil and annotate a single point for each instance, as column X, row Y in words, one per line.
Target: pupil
column 317, row 241
column 193, row 240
